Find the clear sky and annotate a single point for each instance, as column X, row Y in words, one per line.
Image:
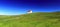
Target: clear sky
column 10, row 7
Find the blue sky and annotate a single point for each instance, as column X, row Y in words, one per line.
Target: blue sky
column 10, row 7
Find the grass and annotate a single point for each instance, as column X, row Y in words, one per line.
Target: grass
column 31, row 20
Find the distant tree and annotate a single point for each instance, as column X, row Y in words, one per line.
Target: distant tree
column 56, row 12
column 29, row 11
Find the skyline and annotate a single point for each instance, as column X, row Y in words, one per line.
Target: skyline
column 14, row 7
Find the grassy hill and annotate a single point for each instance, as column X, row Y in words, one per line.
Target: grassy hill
column 39, row 19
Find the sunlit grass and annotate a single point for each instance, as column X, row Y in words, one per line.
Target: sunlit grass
column 31, row 20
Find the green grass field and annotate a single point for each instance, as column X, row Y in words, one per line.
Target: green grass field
column 39, row 19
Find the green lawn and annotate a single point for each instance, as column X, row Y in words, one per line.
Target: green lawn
column 38, row 19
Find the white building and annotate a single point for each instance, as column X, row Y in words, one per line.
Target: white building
column 29, row 11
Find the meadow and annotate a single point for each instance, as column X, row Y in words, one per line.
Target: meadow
column 38, row 19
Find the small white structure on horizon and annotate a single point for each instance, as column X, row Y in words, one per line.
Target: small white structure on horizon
column 29, row 11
